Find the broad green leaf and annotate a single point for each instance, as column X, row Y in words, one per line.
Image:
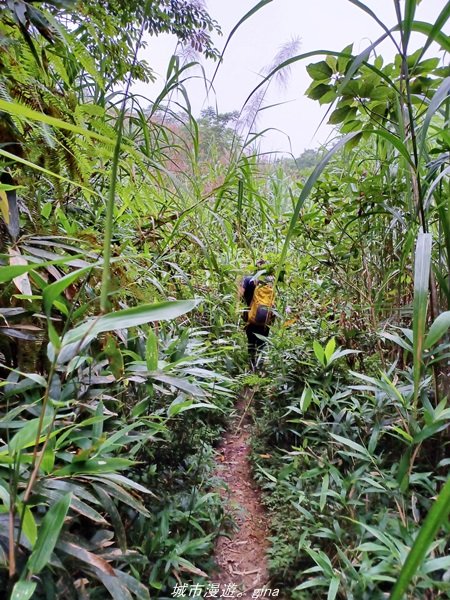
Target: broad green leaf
column 101, row 567
column 351, row 444
column 179, row 407
column 334, row 588
column 36, row 378
column 46, row 210
column 321, row 559
column 125, row 481
column 23, row 590
column 306, row 398
column 317, row 91
column 319, row 352
column 26, row 436
column 130, row 317
column 95, row 466
column 48, row 534
column 397, row 340
column 48, row 460
column 116, row 520
column 319, row 71
column 115, row 358
column 324, row 491
column 314, row 582
column 340, row 114
column 267, row 474
column 79, row 506
column 339, row 353
column 329, row 348
column 29, row 524
column 52, row 291
column 136, row 587
column 180, row 383
column 439, row 327
column 151, row 350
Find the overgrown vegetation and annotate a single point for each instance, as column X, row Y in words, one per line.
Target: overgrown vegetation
column 125, row 227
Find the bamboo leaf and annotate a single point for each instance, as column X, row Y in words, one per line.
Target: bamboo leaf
column 130, row 317
column 116, row 520
column 334, row 588
column 151, row 350
column 351, row 444
column 324, row 491
column 52, row 291
column 330, row 348
column 26, row 436
column 439, row 327
column 306, row 399
column 48, row 535
column 181, row 384
column 29, row 525
column 23, row 590
column 10, row 272
column 319, row 352
column 436, row 516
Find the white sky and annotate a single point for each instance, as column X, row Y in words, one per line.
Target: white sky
column 320, row 25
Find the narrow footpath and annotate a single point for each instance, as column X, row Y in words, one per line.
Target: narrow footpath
column 241, row 557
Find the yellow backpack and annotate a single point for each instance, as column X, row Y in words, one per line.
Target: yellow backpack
column 261, row 312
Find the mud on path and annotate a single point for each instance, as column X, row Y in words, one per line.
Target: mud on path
column 241, row 557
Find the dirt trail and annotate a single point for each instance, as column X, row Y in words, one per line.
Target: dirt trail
column 242, row 559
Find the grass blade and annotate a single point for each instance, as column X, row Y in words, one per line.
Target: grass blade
column 247, row 15
column 439, row 97
column 410, row 10
column 305, row 193
column 434, row 32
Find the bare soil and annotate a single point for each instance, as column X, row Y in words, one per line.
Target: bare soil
column 241, row 557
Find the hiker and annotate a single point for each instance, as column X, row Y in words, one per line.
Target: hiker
column 257, row 292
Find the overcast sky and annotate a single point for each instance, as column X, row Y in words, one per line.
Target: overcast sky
column 317, row 24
